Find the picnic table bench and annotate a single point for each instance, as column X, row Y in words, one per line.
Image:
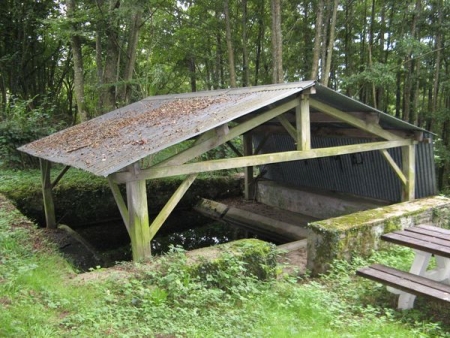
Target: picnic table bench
column 426, row 240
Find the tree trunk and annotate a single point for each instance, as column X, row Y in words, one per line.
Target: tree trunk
column 259, row 44
column 192, row 74
column 245, row 66
column 317, row 40
column 407, row 92
column 133, row 39
column 108, row 93
column 330, row 44
column 75, row 44
column 229, row 45
column 277, row 43
column 323, row 47
column 437, row 65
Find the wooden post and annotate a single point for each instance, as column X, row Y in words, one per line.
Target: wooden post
column 303, row 124
column 409, row 170
column 47, row 195
column 248, row 171
column 138, row 222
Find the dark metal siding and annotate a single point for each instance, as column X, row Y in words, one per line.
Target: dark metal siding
column 365, row 174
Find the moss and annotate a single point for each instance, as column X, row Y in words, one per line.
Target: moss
column 82, row 198
column 258, row 258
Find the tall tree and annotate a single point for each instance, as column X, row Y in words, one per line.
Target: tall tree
column 134, row 24
column 277, row 43
column 329, row 55
column 317, row 40
column 230, row 49
column 75, row 43
column 245, row 65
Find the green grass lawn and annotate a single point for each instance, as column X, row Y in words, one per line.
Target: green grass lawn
column 40, row 296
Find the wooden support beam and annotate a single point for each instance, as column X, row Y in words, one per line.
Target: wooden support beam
column 254, row 160
column 318, row 117
column 302, row 121
column 370, row 127
column 170, row 205
column 120, row 203
column 47, row 194
column 409, row 170
column 232, row 147
column 261, row 144
column 248, row 171
column 394, row 165
column 138, row 222
column 288, row 127
column 214, row 141
column 61, row 174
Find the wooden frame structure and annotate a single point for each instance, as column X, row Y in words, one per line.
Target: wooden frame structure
column 295, row 117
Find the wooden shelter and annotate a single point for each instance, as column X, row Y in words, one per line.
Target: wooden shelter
column 113, row 144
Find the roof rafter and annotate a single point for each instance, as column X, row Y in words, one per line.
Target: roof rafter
column 370, row 127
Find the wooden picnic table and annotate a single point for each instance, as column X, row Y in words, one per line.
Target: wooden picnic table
column 426, row 240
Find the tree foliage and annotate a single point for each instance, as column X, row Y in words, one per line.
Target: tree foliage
column 389, row 54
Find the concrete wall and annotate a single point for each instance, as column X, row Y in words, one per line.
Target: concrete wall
column 359, row 233
column 350, row 226
column 316, row 203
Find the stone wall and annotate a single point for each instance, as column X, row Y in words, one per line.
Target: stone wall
column 359, row 233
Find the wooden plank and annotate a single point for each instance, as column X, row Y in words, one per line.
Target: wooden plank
column 394, row 165
column 170, row 205
column 47, row 194
column 330, row 131
column 261, row 144
column 418, row 244
column 409, row 170
column 252, row 221
column 235, row 150
column 302, row 121
column 248, row 171
column 370, row 127
column 60, row 176
column 426, row 238
column 435, row 229
column 406, row 281
column 254, row 160
column 412, row 277
column 288, row 126
column 318, row 117
column 428, row 232
column 138, row 221
column 236, row 131
column 120, row 203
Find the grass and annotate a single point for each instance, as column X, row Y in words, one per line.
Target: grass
column 40, row 297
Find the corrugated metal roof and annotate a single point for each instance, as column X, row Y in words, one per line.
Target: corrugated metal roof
column 347, row 104
column 111, row 142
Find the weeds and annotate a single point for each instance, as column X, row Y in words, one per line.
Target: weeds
column 39, row 299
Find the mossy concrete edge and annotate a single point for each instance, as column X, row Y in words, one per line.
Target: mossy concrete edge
column 358, row 234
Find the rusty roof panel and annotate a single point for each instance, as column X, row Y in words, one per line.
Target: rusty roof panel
column 112, row 141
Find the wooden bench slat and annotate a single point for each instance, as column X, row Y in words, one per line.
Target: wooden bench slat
column 412, row 277
column 435, row 229
column 401, row 239
column 406, row 281
column 425, row 237
column 429, row 233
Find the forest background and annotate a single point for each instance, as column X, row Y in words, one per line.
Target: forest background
column 63, row 62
